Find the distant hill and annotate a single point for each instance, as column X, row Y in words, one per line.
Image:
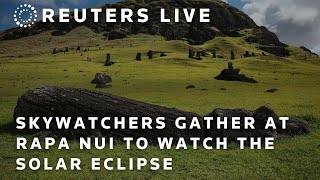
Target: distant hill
column 226, row 21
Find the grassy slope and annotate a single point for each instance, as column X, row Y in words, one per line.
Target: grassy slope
column 163, row 81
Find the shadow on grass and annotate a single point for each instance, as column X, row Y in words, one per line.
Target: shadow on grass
column 10, row 128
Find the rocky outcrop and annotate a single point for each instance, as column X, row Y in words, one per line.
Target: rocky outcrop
column 101, row 79
column 263, row 36
column 276, row 50
column 261, row 116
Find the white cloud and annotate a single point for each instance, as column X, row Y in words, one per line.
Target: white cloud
column 296, row 22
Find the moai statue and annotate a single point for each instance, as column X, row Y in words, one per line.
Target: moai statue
column 108, row 61
column 54, row 51
column 66, row 50
column 191, row 53
column 214, row 54
column 138, row 57
column 203, row 53
column 150, row 54
column 78, row 49
column 253, row 55
column 247, row 54
column 230, row 65
column 198, row 54
column 232, row 55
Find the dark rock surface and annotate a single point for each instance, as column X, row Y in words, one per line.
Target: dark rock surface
column 276, row 50
column 69, row 102
column 101, row 79
column 231, row 74
column 261, row 116
column 263, row 36
column 272, row 90
column 190, row 87
column 103, row 86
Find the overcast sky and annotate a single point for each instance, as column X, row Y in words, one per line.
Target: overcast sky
column 296, row 22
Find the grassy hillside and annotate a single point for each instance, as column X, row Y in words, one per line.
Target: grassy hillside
column 28, row 63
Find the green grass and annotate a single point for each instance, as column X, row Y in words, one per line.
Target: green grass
column 162, row 81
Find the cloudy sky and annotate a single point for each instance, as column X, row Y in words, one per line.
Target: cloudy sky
column 296, row 22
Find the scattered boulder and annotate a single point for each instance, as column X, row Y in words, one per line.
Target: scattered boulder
column 232, row 74
column 163, row 54
column 88, row 59
column 190, row 87
column 101, row 79
column 261, row 116
column 272, row 90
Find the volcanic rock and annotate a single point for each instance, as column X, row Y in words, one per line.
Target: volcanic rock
column 272, row 90
column 190, row 87
column 276, row 50
column 101, row 79
column 231, row 74
column 261, row 116
column 70, row 102
column 264, row 37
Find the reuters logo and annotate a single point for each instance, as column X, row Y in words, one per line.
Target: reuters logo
column 25, row 15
